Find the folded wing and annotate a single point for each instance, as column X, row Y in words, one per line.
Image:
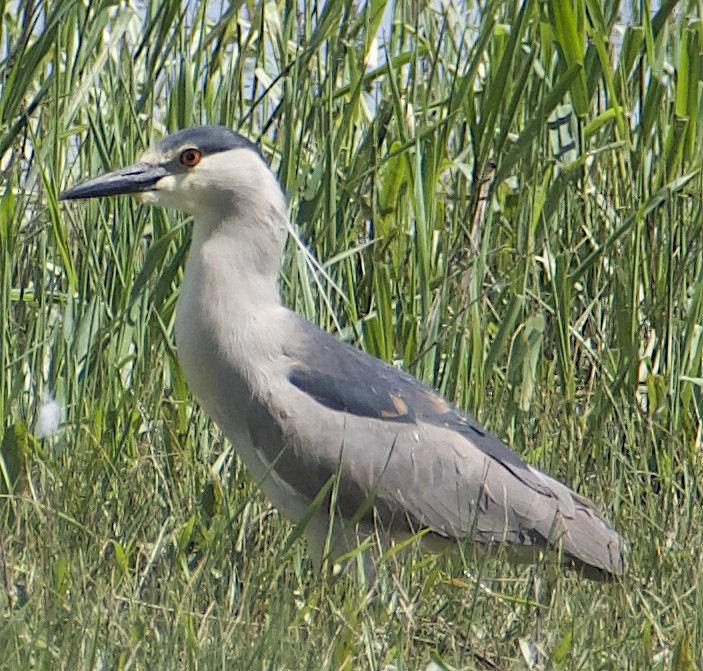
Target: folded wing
column 422, row 462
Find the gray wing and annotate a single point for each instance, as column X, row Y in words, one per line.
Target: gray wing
column 422, row 462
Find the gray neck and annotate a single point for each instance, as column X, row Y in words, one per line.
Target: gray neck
column 239, row 260
column 229, row 320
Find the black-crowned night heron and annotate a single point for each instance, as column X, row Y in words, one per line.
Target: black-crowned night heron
column 304, row 410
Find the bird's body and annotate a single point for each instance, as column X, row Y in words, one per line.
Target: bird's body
column 304, row 410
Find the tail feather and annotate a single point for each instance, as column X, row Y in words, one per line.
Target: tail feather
column 590, row 544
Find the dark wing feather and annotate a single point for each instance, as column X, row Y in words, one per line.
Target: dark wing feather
column 344, row 378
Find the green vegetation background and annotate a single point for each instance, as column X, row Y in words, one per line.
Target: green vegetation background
column 564, row 309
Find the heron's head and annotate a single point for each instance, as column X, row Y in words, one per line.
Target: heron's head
column 209, row 170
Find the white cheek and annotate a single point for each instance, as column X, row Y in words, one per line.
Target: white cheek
column 159, row 194
column 149, row 197
column 168, row 183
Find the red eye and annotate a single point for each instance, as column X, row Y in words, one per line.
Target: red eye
column 190, row 157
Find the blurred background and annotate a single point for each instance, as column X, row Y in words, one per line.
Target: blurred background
column 503, row 198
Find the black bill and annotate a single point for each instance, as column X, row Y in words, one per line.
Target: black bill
column 135, row 178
